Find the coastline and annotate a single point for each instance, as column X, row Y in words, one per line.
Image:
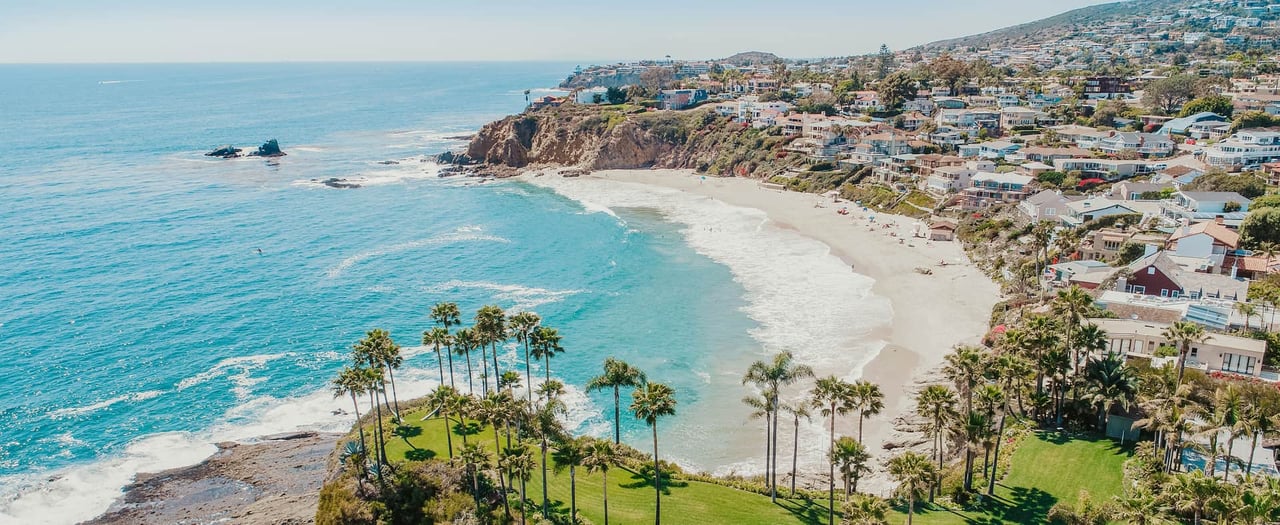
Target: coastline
column 930, row 313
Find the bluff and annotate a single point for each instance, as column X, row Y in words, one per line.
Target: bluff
column 624, row 137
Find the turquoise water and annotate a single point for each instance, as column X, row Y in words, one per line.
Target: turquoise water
column 140, row 322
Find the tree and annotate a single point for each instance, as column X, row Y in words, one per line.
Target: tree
column 617, row 374
column 797, row 411
column 1261, row 420
column 1084, row 512
column 865, row 509
column 491, row 326
column 937, row 404
column 615, row 95
column 519, row 462
column 654, row 79
column 913, row 472
column 464, row 341
column 547, row 428
column 895, row 89
column 771, row 376
column 442, row 399
column 1212, row 103
column 1248, row 311
column 1247, row 185
column 1110, row 383
column 1191, row 492
column 762, row 408
column 976, row 430
column 571, row 453
column 950, row 71
column 1168, row 94
column 379, row 352
column 1108, row 111
column 492, row 410
column 1140, row 507
column 884, row 62
column 1259, row 227
column 867, row 400
column 522, row 326
column 600, row 456
column 475, row 458
column 964, row 367
column 350, row 381
column 446, row 315
column 851, row 459
column 438, row 337
column 831, row 397
column 545, row 343
column 651, row 402
column 1183, row 334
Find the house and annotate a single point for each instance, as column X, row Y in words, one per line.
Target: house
column 680, row 98
column 1250, row 267
column 867, row 101
column 1108, row 169
column 1217, row 353
column 1105, row 86
column 969, row 119
column 1042, row 101
column 994, row 188
column 1145, row 144
column 1019, row 117
column 950, row 103
column 1082, row 136
column 1271, row 171
column 925, row 164
column 942, row 231
column 1082, row 211
column 1048, row 205
column 1139, row 191
column 1196, row 206
column 1182, row 125
column 1177, row 175
column 1243, row 150
column 922, row 105
column 1048, row 155
column 950, row 178
column 1106, row 244
column 594, row 95
column 762, row 84
column 1085, row 274
column 1159, row 275
column 997, row 149
column 1210, row 240
column 1005, row 100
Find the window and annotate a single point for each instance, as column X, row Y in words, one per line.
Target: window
column 1164, row 292
column 1240, row 364
column 1140, row 290
column 1174, row 293
column 1151, row 270
column 1194, row 351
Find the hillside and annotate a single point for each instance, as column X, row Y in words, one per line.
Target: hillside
column 1062, row 24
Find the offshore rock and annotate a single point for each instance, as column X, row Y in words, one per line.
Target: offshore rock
column 271, row 148
column 227, row 152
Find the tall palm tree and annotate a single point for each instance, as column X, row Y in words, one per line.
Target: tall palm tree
column 519, row 462
column 651, row 402
column 1235, row 419
column 1109, row 382
column 1071, row 304
column 1191, row 492
column 1183, row 334
column 990, row 401
column 617, row 374
column 1083, row 512
column 797, row 411
column 937, row 404
column 1139, row 507
column 570, row 453
column 442, row 399
column 380, row 352
column 491, row 322
column 475, row 458
column 831, row 396
column 1090, row 340
column 964, row 367
column 372, row 379
column 1262, row 420
column 547, row 428
column 464, row 341
column 522, row 326
column 974, row 429
column 601, row 455
column 865, row 509
column 868, row 401
column 851, row 459
column 1042, row 337
column 1248, row 311
column 350, row 381
column 770, row 376
column 492, row 411
column 545, row 343
column 446, row 315
column 913, row 472
column 761, row 408
column 437, row 338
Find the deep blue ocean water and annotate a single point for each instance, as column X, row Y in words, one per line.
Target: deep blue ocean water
column 139, row 322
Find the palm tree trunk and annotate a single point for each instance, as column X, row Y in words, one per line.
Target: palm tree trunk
column 440, row 363
column 1182, row 362
column 448, row 431
column 1248, row 469
column 911, row 505
column 377, row 437
column 497, row 374
column 471, row 388
column 657, row 480
column 364, row 449
column 395, row 398
column 523, row 509
column 547, row 359
column 617, row 417
column 968, row 468
column 860, row 420
column 1226, row 472
column 573, row 495
column 831, row 478
column 546, row 501
column 605, row 490
column 991, row 481
column 448, row 352
column 484, row 364
column 773, row 472
column 528, row 375
column 795, row 456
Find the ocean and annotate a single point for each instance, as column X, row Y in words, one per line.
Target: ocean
column 156, row 301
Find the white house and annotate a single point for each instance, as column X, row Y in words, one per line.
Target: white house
column 997, row 149
column 1146, row 144
column 1243, row 150
column 1048, row 205
column 1196, row 206
column 1082, row 211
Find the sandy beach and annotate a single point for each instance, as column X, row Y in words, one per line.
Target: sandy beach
column 931, row 313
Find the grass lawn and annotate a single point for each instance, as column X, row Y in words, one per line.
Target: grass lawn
column 1046, row 468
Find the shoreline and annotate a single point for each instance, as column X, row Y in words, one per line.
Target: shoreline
column 930, row 313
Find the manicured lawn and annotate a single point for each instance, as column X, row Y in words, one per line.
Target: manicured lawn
column 1046, row 468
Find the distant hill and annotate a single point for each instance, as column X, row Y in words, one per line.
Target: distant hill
column 751, row 58
column 1058, row 25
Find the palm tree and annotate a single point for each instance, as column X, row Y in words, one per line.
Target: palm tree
column 1191, row 492
column 1183, row 334
column 832, row 398
column 937, row 404
column 617, row 374
column 442, row 399
column 868, row 401
column 439, row 337
column 372, row 381
column 1083, row 512
column 548, row 428
column 1110, row 382
column 771, row 376
column 380, row 352
column 464, row 342
column 1261, row 420
column 446, row 314
column 1089, row 341
column 571, row 452
column 1248, row 311
column 350, row 381
column 519, row 462
column 1072, row 304
column 974, row 428
column 601, row 455
column 491, row 322
column 990, row 401
column 475, row 457
column 797, row 411
column 851, row 459
column 492, row 410
column 964, row 367
column 761, row 408
column 1235, row 419
column 1140, row 507
column 522, row 326
column 913, row 472
column 545, row 342
column 865, row 509
column 649, row 403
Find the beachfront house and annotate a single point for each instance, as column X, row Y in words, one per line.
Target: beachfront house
column 1048, row 205
column 1183, row 125
column 994, row 188
column 1145, row 144
column 944, row 231
column 1208, row 240
column 1087, row 274
column 997, row 149
column 1085, row 210
column 680, row 98
column 1139, row 191
column 1196, row 206
column 1160, row 275
column 1243, row 151
column 1217, row 353
column 1108, row 169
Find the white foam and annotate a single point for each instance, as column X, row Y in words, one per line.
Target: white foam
column 244, row 364
column 81, row 410
column 448, row 238
column 519, row 297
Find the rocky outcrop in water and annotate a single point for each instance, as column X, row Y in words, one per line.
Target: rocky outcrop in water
column 269, row 149
column 226, row 152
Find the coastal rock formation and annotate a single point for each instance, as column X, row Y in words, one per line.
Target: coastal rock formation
column 270, row 149
column 226, row 152
column 594, row 138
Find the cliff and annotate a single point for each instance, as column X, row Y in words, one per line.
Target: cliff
column 625, row 137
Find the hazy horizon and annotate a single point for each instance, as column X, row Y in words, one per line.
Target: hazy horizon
column 150, row 31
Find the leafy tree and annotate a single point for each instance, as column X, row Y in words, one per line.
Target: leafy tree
column 1230, row 207
column 884, row 62
column 654, row 79
column 1213, row 103
column 950, row 71
column 865, row 509
column 895, row 89
column 1168, row 94
column 617, row 374
column 771, row 376
column 1052, row 178
column 615, row 95
column 1246, row 184
column 1108, row 111
column 1265, row 201
column 1253, row 119
column 649, row 403
column 1129, row 252
column 1260, row 227
column 913, row 472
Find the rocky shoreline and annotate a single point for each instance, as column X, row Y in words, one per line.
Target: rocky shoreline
column 275, row 480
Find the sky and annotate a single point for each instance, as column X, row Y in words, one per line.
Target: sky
column 486, row 30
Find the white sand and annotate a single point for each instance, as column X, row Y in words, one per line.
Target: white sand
column 931, row 313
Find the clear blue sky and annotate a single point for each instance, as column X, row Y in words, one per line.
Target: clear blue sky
column 569, row 30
